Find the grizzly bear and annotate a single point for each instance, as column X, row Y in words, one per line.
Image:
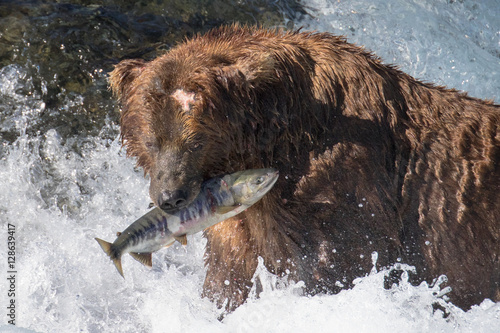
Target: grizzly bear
column 370, row 160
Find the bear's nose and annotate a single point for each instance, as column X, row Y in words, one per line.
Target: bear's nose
column 168, row 200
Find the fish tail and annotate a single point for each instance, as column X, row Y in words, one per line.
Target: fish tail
column 108, row 249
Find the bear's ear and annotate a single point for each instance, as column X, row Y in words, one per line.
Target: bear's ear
column 124, row 73
column 248, row 72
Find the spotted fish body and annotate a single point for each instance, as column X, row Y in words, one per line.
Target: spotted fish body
column 220, row 198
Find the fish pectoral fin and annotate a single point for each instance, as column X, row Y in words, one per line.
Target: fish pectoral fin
column 182, row 239
column 143, row 258
column 225, row 209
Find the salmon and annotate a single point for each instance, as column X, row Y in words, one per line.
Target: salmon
column 219, row 199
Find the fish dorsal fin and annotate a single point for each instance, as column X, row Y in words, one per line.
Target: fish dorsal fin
column 182, row 239
column 143, row 258
column 225, row 209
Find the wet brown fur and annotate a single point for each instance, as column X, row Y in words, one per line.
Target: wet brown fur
column 370, row 159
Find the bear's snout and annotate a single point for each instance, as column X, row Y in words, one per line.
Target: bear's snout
column 169, row 200
column 173, row 192
column 175, row 179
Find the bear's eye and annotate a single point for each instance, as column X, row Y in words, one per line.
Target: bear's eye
column 150, row 145
column 195, row 146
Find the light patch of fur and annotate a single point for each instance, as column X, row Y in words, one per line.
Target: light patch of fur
column 184, row 98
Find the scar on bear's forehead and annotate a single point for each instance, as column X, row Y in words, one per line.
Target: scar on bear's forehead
column 185, row 99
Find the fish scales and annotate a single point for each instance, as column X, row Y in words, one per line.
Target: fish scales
column 219, row 199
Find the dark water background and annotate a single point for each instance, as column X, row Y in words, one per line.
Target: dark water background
column 67, row 48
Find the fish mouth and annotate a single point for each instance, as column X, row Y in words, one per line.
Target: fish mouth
column 272, row 177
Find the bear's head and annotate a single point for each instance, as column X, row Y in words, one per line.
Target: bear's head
column 192, row 114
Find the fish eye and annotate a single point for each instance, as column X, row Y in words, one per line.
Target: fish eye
column 259, row 180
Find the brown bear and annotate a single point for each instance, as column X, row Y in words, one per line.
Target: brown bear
column 370, row 160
